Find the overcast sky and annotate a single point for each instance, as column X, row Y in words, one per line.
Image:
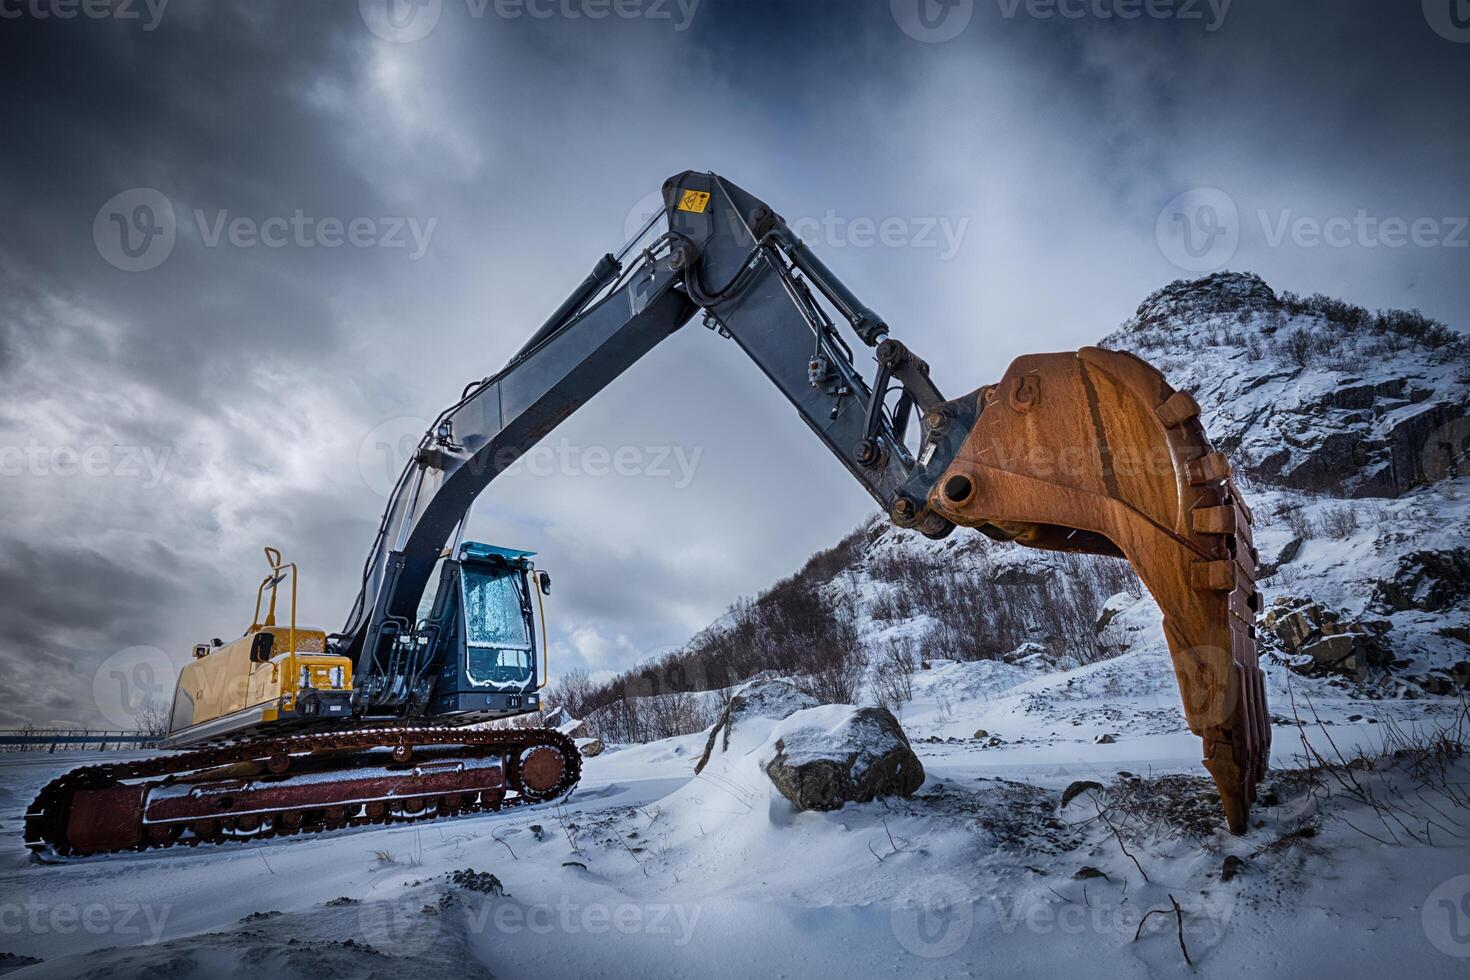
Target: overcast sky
column 337, row 214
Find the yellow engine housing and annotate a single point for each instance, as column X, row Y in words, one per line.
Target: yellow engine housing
column 230, row 689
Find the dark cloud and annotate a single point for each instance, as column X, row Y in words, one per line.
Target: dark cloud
column 248, row 385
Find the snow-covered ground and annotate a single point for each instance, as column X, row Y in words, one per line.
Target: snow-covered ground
column 651, row 871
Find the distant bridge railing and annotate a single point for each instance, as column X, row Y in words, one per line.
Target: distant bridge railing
column 22, row 739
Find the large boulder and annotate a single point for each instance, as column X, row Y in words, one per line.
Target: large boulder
column 771, row 698
column 836, row 754
column 1315, row 640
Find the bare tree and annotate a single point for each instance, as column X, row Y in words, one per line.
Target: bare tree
column 153, row 717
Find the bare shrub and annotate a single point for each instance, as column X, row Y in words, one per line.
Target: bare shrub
column 1298, row 523
column 153, row 717
column 572, row 691
column 893, row 677
column 1340, row 522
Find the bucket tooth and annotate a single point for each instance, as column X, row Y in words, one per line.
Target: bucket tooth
column 1210, row 468
column 1178, row 408
column 1214, row 520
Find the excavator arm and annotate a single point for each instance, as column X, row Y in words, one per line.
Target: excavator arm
column 1088, row 451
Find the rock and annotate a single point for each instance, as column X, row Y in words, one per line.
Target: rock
column 1032, row 655
column 828, row 756
column 1430, row 581
column 1325, row 640
column 980, row 733
column 589, row 747
column 1461, row 673
column 1105, row 739
column 768, row 698
column 1115, row 605
column 1233, row 866
column 1079, row 787
column 1331, row 650
column 1292, row 622
column 1438, row 684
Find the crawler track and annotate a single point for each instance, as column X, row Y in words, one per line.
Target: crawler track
column 299, row 784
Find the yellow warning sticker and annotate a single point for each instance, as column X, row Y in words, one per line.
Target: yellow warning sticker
column 695, row 201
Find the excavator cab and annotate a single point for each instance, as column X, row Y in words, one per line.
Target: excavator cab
column 482, row 625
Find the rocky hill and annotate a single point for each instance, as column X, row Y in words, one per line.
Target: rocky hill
column 1348, row 430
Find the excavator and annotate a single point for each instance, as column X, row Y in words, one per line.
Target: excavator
column 291, row 730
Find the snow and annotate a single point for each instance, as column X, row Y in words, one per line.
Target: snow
column 717, row 876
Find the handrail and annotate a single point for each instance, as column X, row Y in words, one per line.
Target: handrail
column 278, row 572
column 535, row 587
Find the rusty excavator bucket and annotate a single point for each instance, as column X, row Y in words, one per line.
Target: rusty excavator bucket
column 1093, row 452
